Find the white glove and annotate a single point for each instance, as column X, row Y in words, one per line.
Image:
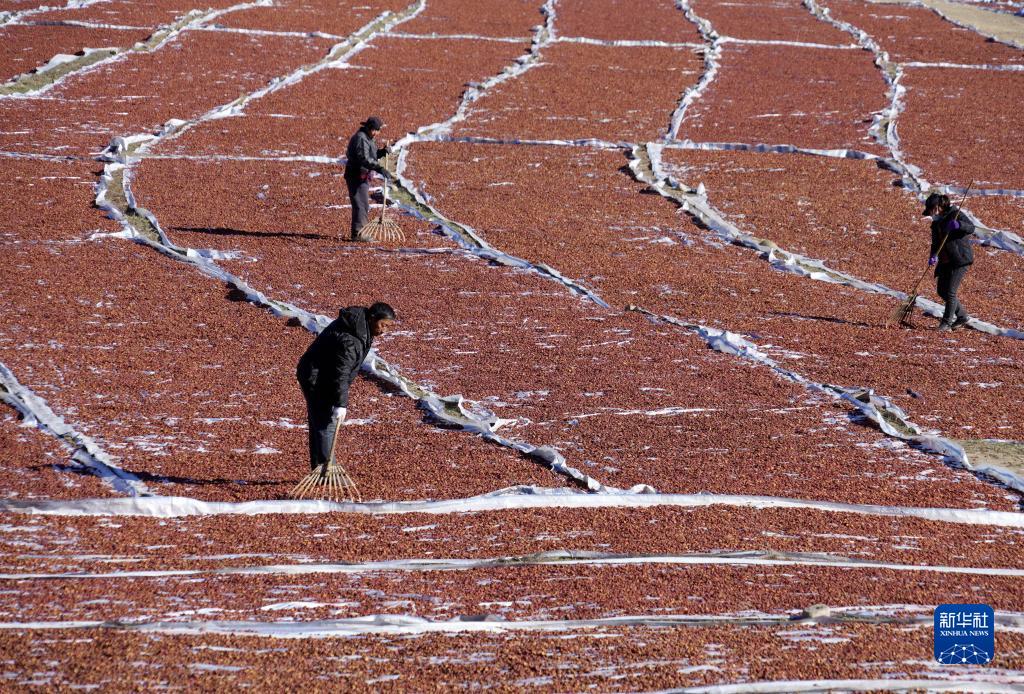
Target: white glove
column 338, row 413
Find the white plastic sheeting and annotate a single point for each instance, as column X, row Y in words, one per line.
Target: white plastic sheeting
column 962, row 66
column 85, row 451
column 513, row 498
column 456, row 37
column 338, row 57
column 697, row 204
column 626, row 43
column 64, row 58
column 489, row 623
column 885, row 132
column 11, row 17
column 555, row 558
column 793, row 44
column 865, row 685
column 543, row 37
column 886, row 415
column 712, row 57
column 193, row 19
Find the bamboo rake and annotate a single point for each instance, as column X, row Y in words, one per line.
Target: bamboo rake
column 329, row 482
column 382, row 229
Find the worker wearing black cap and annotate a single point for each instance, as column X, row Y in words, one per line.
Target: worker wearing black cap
column 361, row 160
column 951, row 255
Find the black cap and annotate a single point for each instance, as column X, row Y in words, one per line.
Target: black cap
column 935, row 200
column 373, row 123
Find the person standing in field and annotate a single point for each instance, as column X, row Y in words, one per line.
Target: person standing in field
column 361, row 162
column 951, row 255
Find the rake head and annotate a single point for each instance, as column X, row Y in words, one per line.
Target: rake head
column 329, row 482
column 382, row 230
column 901, row 316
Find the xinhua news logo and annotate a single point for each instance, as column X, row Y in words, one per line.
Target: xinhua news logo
column 964, row 634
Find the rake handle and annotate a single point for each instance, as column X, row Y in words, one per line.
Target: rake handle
column 942, row 244
column 385, row 205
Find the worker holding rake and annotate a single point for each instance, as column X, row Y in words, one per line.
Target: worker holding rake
column 362, row 158
column 951, row 255
column 325, row 372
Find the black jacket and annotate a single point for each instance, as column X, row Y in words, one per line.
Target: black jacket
column 957, row 251
column 331, row 363
column 361, row 157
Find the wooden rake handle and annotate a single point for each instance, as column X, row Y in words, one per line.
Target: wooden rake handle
column 942, row 244
column 385, row 205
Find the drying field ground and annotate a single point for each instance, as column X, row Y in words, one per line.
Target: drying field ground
column 643, row 425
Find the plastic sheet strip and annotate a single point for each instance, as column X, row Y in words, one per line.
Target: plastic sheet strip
column 513, row 498
column 85, row 452
column 695, row 202
column 712, row 58
column 554, row 558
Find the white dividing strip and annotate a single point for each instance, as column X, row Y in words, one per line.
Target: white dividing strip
column 337, row 57
column 556, row 558
column 62, row 59
column 266, row 32
column 881, row 685
column 1004, row 240
column 712, row 58
column 87, row 25
column 543, row 37
column 660, row 412
column 697, row 204
column 12, row 17
column 586, row 143
column 885, row 133
column 470, row 240
column 772, row 149
column 41, row 157
column 457, row 37
column 962, row 66
column 794, row 44
column 983, row 192
column 298, row 158
column 193, row 18
column 414, row 626
column 85, row 451
column 889, row 417
column 513, row 498
column 626, row 43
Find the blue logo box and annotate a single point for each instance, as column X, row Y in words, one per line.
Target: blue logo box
column 964, row 634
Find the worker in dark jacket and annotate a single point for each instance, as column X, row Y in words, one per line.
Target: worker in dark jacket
column 951, row 255
column 361, row 161
column 328, row 368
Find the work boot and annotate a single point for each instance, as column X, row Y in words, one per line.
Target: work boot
column 945, row 327
column 960, row 322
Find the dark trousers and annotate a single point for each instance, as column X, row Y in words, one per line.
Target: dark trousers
column 947, row 280
column 359, row 196
column 323, row 428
